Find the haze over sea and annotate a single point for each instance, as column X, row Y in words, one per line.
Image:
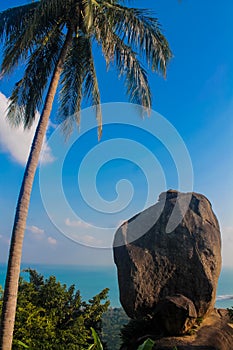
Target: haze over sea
column 90, row 280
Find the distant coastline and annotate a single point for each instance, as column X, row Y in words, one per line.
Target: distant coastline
column 90, row 280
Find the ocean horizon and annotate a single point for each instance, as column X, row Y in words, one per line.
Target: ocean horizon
column 91, row 280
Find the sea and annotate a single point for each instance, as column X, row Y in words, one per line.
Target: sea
column 91, row 280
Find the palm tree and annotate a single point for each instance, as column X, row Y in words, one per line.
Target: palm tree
column 54, row 39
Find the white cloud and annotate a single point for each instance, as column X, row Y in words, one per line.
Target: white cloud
column 46, row 154
column 52, row 240
column 40, row 235
column 35, row 229
column 90, row 240
column 17, row 141
column 76, row 223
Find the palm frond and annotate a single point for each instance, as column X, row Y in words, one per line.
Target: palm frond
column 79, row 79
column 13, row 20
column 139, row 29
column 87, row 15
column 117, row 52
column 91, row 88
column 33, row 29
column 71, row 86
column 28, row 92
column 55, row 9
column 128, row 66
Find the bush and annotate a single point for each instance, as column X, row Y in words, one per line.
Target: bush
column 51, row 316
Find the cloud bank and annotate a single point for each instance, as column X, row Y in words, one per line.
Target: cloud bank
column 17, row 141
column 76, row 223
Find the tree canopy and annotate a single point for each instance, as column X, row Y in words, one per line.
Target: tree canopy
column 52, row 316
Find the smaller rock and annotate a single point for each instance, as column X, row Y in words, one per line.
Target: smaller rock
column 177, row 314
column 214, row 333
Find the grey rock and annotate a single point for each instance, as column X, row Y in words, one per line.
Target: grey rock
column 173, row 247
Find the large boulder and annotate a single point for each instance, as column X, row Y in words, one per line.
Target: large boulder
column 173, row 248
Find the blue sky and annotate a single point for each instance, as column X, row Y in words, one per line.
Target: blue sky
column 196, row 98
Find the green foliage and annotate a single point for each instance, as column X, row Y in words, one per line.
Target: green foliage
column 136, row 330
column 21, row 344
column 97, row 343
column 113, row 320
column 147, row 345
column 51, row 316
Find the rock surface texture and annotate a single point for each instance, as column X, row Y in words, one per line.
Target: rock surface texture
column 215, row 333
column 168, row 260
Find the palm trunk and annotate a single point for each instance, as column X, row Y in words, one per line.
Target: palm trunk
column 13, row 270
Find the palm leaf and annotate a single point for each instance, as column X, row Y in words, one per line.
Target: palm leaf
column 141, row 30
column 122, row 55
column 14, row 19
column 22, row 41
column 71, row 85
column 97, row 343
column 91, row 88
column 54, row 9
column 136, row 79
column 28, row 92
column 147, row 345
column 18, row 342
column 79, row 78
column 86, row 11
